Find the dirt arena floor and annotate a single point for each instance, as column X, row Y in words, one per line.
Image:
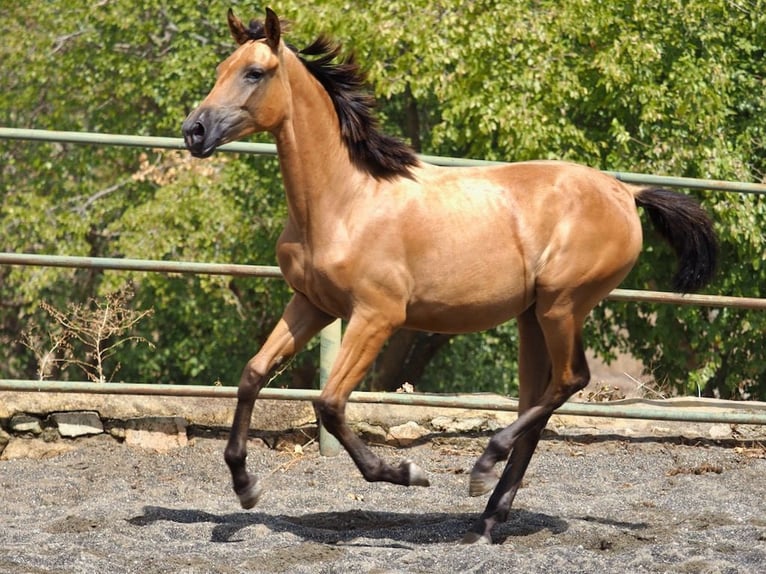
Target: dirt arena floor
column 590, row 504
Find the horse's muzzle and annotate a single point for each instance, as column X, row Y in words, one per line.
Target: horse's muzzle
column 194, row 138
column 199, row 138
column 208, row 127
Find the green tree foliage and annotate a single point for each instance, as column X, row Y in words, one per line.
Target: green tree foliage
column 672, row 88
column 131, row 68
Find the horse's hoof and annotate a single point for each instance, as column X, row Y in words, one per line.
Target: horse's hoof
column 416, row 474
column 249, row 497
column 475, row 538
column 481, row 483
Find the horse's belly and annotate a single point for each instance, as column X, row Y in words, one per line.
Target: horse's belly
column 467, row 310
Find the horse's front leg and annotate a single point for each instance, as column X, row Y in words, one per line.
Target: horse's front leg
column 363, row 339
column 300, row 321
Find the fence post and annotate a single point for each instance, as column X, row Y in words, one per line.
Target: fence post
column 329, row 344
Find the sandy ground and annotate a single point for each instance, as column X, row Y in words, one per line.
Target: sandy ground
column 589, row 504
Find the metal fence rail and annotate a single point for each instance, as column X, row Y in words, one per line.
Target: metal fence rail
column 693, row 411
column 155, row 266
column 270, row 149
column 149, row 265
column 744, row 414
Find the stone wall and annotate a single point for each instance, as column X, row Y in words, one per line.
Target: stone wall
column 54, row 420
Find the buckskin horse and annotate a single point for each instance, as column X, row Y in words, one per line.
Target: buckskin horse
column 386, row 242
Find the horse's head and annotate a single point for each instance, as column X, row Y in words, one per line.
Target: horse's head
column 248, row 96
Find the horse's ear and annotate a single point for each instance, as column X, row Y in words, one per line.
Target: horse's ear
column 273, row 29
column 237, row 28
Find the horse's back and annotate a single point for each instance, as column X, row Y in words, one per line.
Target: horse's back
column 549, row 206
column 490, row 239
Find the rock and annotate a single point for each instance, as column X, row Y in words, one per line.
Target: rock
column 407, row 433
column 157, row 433
column 74, row 424
column 471, row 424
column 34, row 448
column 371, row 433
column 719, row 431
column 4, row 440
column 459, row 425
column 50, row 434
column 24, row 423
column 442, row 423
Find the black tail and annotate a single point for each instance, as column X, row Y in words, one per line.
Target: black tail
column 685, row 225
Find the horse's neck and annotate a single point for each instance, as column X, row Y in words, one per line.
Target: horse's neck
column 315, row 164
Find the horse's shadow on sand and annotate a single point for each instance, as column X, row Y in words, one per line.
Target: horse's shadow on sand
column 345, row 527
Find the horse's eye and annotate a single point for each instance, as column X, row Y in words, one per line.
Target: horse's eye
column 253, row 74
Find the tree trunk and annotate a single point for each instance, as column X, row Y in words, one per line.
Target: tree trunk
column 405, row 358
column 412, row 119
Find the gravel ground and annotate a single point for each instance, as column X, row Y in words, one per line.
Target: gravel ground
column 589, row 504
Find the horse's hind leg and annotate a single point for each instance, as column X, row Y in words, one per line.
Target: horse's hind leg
column 300, row 321
column 561, row 331
column 534, row 375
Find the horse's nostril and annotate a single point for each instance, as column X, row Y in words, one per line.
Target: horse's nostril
column 194, row 135
column 194, row 131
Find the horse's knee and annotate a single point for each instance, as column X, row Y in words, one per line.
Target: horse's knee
column 330, row 411
column 251, row 380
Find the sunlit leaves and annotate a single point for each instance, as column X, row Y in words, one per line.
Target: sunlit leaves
column 675, row 88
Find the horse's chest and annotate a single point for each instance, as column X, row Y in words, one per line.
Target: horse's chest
column 322, row 277
column 291, row 258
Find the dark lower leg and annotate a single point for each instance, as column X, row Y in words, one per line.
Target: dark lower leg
column 525, row 429
column 300, row 321
column 365, row 335
column 245, row 484
column 500, row 502
column 569, row 373
column 236, row 450
column 537, row 416
column 372, row 467
column 534, row 376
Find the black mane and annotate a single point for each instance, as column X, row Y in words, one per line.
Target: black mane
column 383, row 156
